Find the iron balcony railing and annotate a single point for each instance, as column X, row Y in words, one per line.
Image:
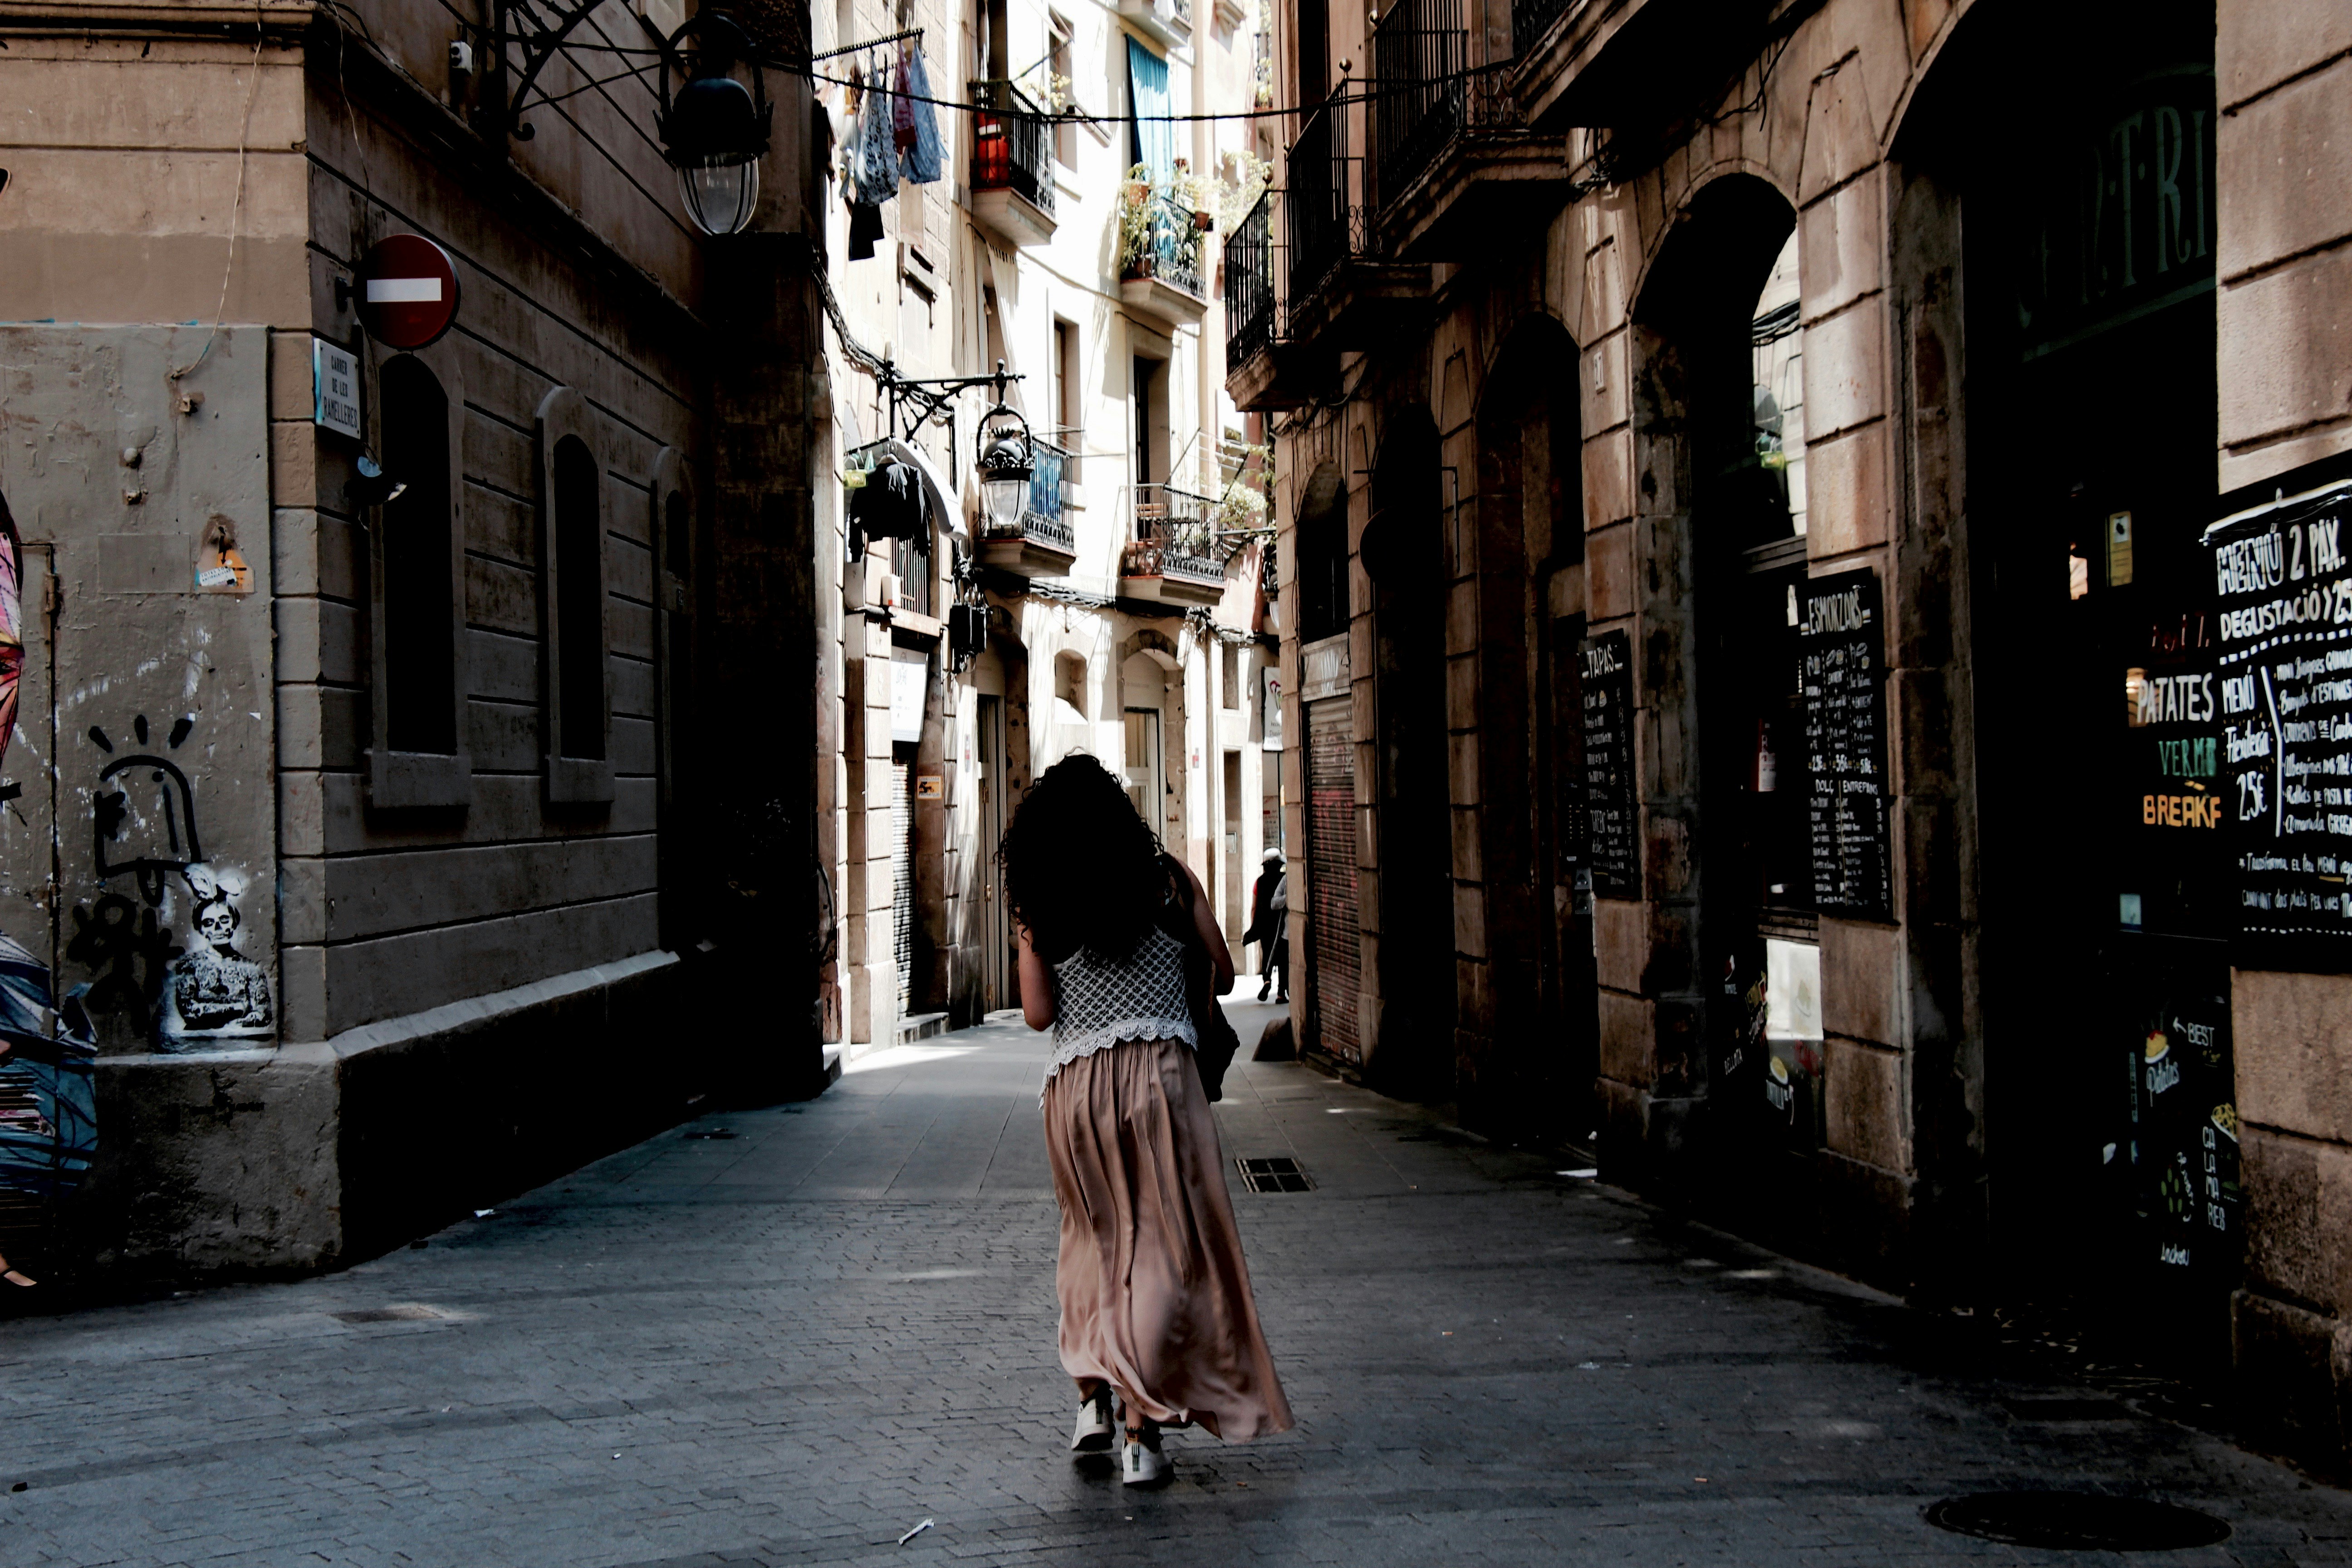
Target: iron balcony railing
column 1249, row 285
column 1430, row 92
column 1418, row 51
column 1011, row 144
column 1323, row 209
column 1529, row 20
column 1173, row 537
column 1043, row 519
column 1172, row 251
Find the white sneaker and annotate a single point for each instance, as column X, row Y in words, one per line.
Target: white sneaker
column 1093, row 1433
column 1142, row 1464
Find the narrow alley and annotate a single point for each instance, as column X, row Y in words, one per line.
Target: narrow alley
column 792, row 1335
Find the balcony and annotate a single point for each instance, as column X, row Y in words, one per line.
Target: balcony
column 1012, row 165
column 1455, row 170
column 1169, row 22
column 1342, row 294
column 1265, row 369
column 1171, row 560
column 1159, row 260
column 1043, row 543
column 1626, row 64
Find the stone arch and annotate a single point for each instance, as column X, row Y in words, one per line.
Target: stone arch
column 1149, row 671
column 1700, row 521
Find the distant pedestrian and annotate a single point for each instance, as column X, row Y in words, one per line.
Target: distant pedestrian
column 1157, row 1311
column 1270, row 924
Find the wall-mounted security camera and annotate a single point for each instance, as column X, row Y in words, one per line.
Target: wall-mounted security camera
column 374, row 486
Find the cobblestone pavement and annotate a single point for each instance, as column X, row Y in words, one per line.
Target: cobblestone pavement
column 792, row 1345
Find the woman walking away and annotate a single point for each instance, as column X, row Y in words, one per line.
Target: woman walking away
column 1156, row 1304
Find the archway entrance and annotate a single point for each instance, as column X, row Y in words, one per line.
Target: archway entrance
column 2086, row 246
column 1722, row 407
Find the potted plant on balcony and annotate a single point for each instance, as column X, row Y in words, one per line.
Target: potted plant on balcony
column 1150, row 232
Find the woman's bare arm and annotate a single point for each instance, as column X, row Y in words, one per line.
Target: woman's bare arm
column 1036, row 985
column 1205, row 920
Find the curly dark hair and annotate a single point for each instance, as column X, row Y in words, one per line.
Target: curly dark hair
column 1081, row 867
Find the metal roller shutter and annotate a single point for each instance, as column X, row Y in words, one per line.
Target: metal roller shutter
column 902, row 882
column 1334, row 940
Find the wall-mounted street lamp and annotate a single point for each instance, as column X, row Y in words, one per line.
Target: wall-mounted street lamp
column 716, row 130
column 1006, row 463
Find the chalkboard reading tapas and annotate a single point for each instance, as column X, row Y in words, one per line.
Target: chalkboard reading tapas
column 1605, row 664
column 1841, row 653
column 2283, row 586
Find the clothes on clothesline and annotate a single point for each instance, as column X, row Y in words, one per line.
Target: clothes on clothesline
column 889, row 132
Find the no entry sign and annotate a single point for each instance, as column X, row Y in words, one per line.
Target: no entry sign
column 407, row 292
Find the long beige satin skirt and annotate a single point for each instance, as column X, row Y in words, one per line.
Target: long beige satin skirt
column 1155, row 1293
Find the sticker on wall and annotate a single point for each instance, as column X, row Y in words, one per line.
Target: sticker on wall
column 220, row 568
column 211, row 991
column 929, row 787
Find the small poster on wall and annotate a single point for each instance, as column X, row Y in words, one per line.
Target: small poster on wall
column 2284, row 620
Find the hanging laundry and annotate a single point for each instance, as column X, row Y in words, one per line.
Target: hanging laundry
column 891, row 503
column 902, row 108
column 864, row 228
column 921, row 159
column 878, row 159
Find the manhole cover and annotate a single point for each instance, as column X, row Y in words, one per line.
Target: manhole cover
column 408, row 1313
column 2077, row 1521
column 1276, row 1175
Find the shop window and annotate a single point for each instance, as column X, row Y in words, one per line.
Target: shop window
column 1777, row 344
column 575, row 711
column 1322, row 570
column 417, row 605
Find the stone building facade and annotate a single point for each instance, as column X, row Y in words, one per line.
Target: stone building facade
column 369, row 829
column 1751, row 486
column 1125, row 612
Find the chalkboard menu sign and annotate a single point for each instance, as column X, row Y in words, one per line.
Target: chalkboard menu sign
column 2285, row 618
column 1606, row 665
column 1841, row 649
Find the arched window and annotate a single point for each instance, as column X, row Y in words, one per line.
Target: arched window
column 418, row 754
column 572, row 601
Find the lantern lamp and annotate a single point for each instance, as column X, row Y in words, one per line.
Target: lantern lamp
column 1005, row 468
column 715, row 132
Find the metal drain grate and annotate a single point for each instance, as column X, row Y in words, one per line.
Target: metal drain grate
column 1277, row 1174
column 714, row 1132
column 2077, row 1521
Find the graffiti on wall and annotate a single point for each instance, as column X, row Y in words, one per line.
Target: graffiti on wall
column 143, row 825
column 49, row 1109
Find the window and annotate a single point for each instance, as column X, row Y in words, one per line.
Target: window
column 417, row 605
column 1066, row 396
column 1230, row 676
column 576, row 712
column 910, row 562
column 1058, row 61
column 1150, row 420
column 1314, row 50
column 416, row 756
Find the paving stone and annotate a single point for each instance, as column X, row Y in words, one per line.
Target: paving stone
column 803, row 1341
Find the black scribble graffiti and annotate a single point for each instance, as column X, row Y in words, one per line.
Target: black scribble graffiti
column 129, row 950
column 174, row 811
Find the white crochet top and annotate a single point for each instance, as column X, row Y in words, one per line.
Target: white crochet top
column 1098, row 1002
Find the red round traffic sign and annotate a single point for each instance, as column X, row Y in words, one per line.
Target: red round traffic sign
column 407, row 292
